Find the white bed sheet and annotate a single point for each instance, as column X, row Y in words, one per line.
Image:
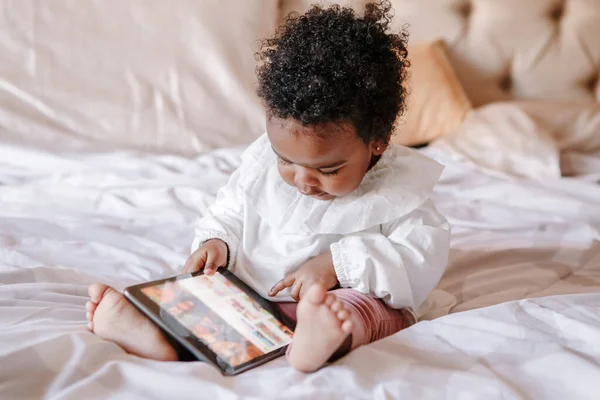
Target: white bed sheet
column 71, row 219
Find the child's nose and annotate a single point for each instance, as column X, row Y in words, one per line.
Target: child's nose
column 305, row 179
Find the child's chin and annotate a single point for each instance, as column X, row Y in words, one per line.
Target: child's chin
column 324, row 197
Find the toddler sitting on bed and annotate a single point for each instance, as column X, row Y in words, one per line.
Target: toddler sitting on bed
column 323, row 210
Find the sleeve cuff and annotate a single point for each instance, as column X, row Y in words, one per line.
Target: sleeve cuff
column 340, row 265
column 205, row 236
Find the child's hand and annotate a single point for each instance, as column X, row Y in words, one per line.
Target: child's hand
column 318, row 270
column 210, row 256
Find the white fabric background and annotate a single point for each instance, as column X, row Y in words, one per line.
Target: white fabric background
column 70, row 219
column 155, row 80
column 148, row 74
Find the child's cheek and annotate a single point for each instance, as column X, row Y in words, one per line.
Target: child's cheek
column 287, row 174
column 333, row 186
column 342, row 185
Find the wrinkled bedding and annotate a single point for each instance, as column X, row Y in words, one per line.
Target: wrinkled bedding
column 518, row 303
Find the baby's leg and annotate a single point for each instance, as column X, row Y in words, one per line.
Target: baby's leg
column 325, row 321
column 113, row 318
column 371, row 318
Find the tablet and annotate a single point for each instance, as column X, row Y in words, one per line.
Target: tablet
column 217, row 319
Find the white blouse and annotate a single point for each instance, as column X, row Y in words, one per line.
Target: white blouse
column 386, row 238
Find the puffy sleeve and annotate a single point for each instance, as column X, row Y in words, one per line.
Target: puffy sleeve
column 401, row 263
column 224, row 219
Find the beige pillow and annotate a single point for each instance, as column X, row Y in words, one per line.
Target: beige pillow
column 503, row 140
column 574, row 126
column 437, row 103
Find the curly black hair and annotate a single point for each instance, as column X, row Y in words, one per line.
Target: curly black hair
column 331, row 65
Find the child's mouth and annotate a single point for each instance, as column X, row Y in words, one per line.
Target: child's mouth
column 317, row 195
column 322, row 196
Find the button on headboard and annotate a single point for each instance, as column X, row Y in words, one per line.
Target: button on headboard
column 503, row 49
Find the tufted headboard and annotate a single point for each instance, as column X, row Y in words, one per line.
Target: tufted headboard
column 180, row 76
column 505, row 49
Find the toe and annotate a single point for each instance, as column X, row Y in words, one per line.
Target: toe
column 89, row 316
column 343, row 315
column 316, row 294
column 329, row 299
column 347, row 326
column 90, row 306
column 337, row 306
column 96, row 291
column 90, row 326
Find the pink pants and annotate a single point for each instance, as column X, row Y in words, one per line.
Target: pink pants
column 371, row 318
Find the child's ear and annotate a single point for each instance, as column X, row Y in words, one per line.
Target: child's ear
column 378, row 147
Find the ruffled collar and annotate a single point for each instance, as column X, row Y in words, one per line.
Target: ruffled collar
column 400, row 182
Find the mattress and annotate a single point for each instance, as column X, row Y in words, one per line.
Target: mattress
column 518, row 304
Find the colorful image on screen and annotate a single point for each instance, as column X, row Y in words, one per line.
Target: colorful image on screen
column 234, row 326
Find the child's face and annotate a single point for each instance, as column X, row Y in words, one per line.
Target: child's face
column 325, row 161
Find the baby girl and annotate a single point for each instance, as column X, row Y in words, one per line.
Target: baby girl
column 324, row 216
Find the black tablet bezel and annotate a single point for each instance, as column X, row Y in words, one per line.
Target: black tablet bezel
column 184, row 337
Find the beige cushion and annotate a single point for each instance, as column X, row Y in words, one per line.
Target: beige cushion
column 158, row 75
column 574, row 126
column 504, row 140
column 533, row 139
column 437, row 103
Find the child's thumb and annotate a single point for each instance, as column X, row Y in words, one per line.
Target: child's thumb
column 210, row 266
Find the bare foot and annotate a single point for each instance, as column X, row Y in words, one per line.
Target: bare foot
column 112, row 317
column 323, row 325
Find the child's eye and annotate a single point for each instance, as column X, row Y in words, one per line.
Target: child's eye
column 330, row 173
column 282, row 161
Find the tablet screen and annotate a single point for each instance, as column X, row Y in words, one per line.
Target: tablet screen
column 233, row 325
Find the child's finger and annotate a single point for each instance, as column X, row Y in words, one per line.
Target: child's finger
column 282, row 284
column 210, row 266
column 221, row 260
column 295, row 290
column 194, row 263
column 303, row 290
